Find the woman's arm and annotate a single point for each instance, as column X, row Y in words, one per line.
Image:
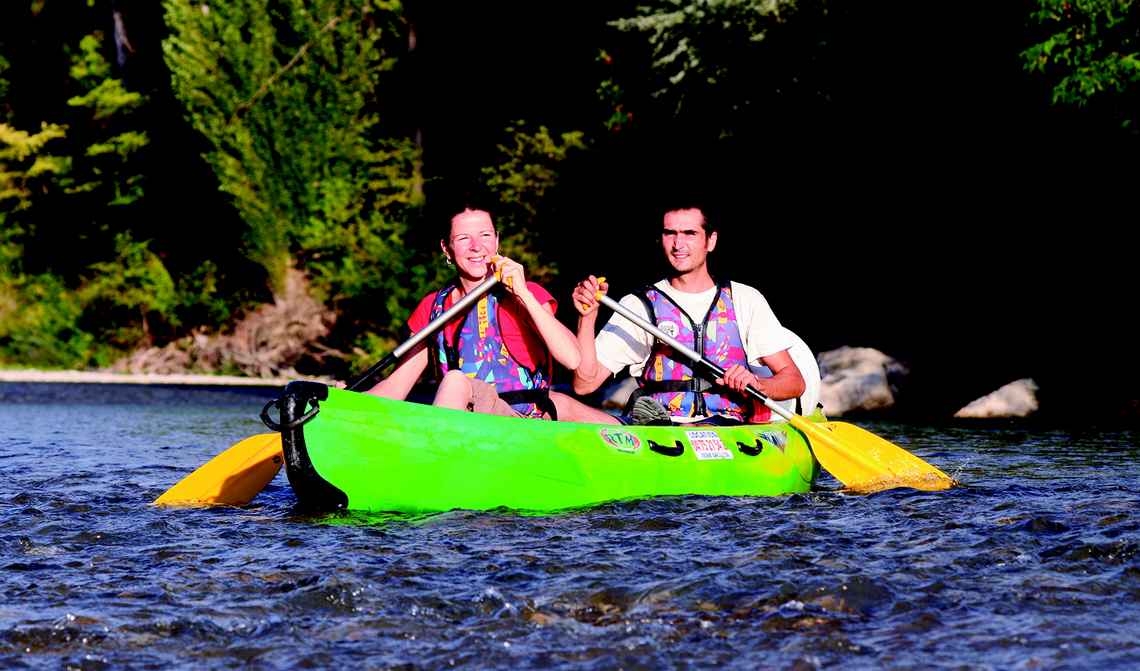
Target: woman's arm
column 557, row 338
column 400, row 382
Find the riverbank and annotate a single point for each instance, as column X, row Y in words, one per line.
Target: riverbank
column 102, row 377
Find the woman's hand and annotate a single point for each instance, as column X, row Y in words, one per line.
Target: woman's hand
column 511, row 275
column 585, row 294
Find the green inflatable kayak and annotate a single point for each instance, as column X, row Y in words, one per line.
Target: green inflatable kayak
column 350, row 450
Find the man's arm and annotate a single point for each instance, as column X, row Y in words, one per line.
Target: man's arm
column 786, row 381
column 762, row 332
column 590, row 374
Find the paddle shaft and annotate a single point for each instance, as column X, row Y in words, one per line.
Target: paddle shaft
column 689, row 353
column 368, row 377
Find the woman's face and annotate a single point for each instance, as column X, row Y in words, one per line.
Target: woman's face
column 472, row 243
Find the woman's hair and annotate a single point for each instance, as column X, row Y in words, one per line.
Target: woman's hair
column 445, row 230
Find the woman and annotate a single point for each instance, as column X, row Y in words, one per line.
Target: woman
column 496, row 358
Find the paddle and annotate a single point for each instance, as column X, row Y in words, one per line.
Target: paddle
column 235, row 476
column 856, row 457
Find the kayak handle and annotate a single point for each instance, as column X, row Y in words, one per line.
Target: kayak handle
column 750, row 450
column 676, row 451
column 288, row 426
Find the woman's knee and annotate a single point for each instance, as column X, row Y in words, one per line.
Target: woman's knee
column 455, row 378
column 454, row 391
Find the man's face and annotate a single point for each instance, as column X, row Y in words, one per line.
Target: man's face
column 684, row 240
column 472, row 244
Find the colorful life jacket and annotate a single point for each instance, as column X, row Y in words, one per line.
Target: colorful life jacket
column 480, row 351
column 716, row 337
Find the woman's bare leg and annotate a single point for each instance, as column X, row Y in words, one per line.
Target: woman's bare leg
column 571, row 409
column 454, row 391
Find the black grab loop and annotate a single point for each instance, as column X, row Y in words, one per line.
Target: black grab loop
column 750, row 450
column 666, row 450
column 273, row 426
column 288, row 426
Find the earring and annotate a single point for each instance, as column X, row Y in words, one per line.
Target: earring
column 447, row 259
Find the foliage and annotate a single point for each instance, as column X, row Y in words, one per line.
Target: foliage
column 289, row 96
column 26, row 170
column 85, row 167
column 720, row 62
column 90, row 169
column 136, row 282
column 106, row 168
column 4, row 65
column 1091, row 54
column 520, row 182
column 286, row 95
column 39, row 325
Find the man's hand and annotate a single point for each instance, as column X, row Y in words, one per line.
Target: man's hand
column 585, row 295
column 738, row 377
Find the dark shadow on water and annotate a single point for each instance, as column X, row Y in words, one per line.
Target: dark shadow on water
column 132, row 394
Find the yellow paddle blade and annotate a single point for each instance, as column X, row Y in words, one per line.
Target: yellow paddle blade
column 233, row 477
column 865, row 462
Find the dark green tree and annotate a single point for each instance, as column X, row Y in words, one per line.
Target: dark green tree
column 75, row 179
column 289, row 96
column 527, row 170
column 1090, row 54
column 724, row 65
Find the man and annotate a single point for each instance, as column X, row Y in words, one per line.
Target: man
column 728, row 322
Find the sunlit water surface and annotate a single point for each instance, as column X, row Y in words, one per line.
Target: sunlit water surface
column 1033, row 564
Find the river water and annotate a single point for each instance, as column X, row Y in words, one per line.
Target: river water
column 1033, row 564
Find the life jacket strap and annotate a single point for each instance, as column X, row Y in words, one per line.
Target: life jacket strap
column 539, row 397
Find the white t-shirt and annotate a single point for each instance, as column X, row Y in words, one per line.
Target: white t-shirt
column 809, row 370
column 622, row 343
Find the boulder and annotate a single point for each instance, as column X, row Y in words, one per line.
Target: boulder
column 1016, row 399
column 858, row 379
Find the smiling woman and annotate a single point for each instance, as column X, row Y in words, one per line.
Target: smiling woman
column 498, row 357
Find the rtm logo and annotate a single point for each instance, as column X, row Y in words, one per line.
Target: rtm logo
column 622, row 441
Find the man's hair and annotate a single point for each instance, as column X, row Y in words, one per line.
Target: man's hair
column 710, row 223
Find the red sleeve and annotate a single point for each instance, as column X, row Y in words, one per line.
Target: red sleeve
column 422, row 314
column 542, row 295
column 522, row 340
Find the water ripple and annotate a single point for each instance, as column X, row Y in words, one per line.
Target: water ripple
column 1035, row 563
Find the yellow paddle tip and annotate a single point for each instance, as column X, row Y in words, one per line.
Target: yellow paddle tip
column 866, row 463
column 233, row 477
column 927, row 482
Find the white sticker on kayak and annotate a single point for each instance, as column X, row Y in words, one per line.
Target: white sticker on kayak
column 622, row 441
column 707, row 445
